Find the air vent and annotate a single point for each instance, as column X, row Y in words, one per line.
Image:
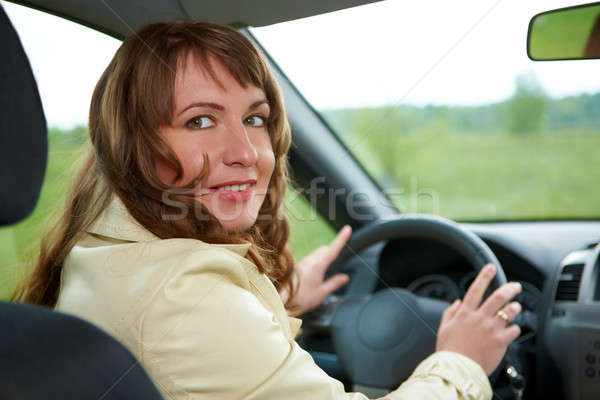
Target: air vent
column 570, row 280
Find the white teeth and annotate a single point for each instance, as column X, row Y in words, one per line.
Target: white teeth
column 235, row 188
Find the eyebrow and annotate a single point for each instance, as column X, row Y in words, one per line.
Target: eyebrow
column 220, row 107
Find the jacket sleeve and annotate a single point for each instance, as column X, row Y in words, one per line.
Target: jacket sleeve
column 205, row 335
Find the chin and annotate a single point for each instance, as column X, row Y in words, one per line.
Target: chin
column 237, row 225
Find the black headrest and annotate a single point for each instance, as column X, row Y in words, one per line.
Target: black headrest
column 50, row 355
column 23, row 135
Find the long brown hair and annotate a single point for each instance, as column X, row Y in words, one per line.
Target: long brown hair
column 132, row 99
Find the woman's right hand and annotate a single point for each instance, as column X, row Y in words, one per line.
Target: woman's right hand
column 478, row 331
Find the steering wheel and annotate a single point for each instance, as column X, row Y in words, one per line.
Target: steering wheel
column 381, row 337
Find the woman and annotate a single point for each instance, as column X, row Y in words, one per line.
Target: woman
column 174, row 239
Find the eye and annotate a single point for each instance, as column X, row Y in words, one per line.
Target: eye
column 200, row 122
column 255, row 120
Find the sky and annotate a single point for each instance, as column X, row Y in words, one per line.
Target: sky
column 464, row 52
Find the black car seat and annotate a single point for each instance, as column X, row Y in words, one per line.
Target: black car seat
column 45, row 354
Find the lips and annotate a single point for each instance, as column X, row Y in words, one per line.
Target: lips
column 234, row 191
column 234, row 185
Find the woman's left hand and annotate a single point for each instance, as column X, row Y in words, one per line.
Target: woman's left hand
column 312, row 288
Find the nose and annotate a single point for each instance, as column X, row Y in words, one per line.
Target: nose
column 240, row 150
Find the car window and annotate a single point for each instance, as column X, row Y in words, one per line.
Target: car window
column 441, row 105
column 67, row 59
column 62, row 55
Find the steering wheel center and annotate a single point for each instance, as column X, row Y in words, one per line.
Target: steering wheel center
column 399, row 330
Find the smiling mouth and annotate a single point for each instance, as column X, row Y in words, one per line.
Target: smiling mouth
column 233, row 188
column 238, row 193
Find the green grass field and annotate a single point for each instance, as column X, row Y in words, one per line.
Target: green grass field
column 459, row 176
column 19, row 242
column 470, row 177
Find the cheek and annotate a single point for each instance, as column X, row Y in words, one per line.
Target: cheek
column 190, row 162
column 267, row 163
column 164, row 172
column 184, row 147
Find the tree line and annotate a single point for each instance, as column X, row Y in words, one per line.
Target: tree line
column 528, row 111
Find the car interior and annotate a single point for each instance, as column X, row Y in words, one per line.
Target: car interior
column 404, row 268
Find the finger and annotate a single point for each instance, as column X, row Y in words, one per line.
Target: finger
column 478, row 287
column 320, row 252
column 450, row 312
column 317, row 256
column 334, row 283
column 511, row 333
column 499, row 298
column 512, row 310
column 338, row 243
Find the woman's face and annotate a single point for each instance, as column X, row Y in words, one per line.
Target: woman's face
column 228, row 123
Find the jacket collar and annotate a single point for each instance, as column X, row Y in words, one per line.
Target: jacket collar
column 116, row 222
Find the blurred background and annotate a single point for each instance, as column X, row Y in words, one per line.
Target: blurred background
column 437, row 100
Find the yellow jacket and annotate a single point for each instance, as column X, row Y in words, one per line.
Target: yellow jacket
column 206, row 324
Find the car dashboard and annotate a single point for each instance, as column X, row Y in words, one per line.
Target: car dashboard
column 541, row 256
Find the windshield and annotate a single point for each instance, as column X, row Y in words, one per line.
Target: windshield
column 441, row 105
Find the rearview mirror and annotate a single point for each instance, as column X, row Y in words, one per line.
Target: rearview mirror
column 571, row 33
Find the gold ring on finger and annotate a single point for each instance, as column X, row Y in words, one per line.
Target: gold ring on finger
column 502, row 314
